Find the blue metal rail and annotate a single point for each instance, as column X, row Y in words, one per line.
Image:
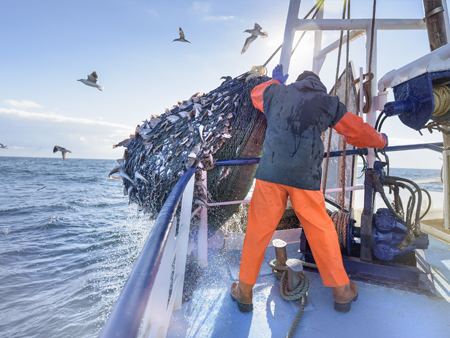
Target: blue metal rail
column 432, row 146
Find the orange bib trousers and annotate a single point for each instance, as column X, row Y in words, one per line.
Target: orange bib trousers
column 267, row 206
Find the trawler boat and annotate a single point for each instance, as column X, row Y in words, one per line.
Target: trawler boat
column 180, row 284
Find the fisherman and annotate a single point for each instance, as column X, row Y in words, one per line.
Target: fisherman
column 290, row 165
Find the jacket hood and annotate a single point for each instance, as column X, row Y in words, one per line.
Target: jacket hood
column 310, row 83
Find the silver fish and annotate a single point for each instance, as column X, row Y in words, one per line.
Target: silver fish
column 200, row 131
column 139, row 176
column 123, row 174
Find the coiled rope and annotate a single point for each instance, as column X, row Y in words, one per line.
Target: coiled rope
column 441, row 100
column 299, row 293
column 340, row 220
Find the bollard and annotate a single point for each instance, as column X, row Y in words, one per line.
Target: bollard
column 295, row 267
column 280, row 251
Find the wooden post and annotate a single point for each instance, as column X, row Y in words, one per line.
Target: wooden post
column 435, row 19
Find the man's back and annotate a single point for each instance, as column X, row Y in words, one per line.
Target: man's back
column 297, row 115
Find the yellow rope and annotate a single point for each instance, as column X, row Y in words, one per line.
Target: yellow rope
column 441, row 100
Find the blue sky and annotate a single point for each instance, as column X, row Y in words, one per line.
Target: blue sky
column 47, row 45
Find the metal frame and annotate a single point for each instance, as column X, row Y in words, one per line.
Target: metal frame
column 358, row 27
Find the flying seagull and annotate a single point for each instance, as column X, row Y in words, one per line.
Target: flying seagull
column 181, row 39
column 92, row 81
column 2, row 146
column 64, row 151
column 255, row 32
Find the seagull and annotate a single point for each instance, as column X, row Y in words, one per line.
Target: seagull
column 92, row 81
column 2, row 146
column 181, row 39
column 255, row 32
column 63, row 150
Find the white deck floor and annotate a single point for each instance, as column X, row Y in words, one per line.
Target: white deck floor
column 379, row 311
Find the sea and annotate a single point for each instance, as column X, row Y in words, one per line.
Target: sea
column 68, row 241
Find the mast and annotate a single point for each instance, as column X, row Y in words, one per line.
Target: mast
column 436, row 19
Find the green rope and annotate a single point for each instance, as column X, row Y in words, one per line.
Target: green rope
column 299, row 293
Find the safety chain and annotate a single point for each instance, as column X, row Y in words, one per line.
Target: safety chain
column 299, row 293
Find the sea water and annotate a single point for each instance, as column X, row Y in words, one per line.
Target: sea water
column 68, row 241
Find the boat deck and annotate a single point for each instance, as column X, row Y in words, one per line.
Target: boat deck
column 380, row 311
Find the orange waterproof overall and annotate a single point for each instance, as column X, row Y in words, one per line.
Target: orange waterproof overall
column 269, row 201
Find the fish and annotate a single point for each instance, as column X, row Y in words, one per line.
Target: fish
column 226, row 79
column 173, row 118
column 190, row 134
column 200, row 131
column 125, row 175
column 115, row 170
column 139, row 176
column 125, row 143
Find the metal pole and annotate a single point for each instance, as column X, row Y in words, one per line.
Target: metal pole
column 446, row 156
column 435, row 22
column 436, row 19
column 371, row 116
column 181, row 250
column 318, row 62
column 289, row 32
column 280, row 251
column 202, row 237
column 295, row 267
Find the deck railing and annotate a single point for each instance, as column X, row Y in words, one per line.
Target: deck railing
column 145, row 298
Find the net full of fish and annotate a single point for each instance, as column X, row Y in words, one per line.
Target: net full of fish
column 222, row 124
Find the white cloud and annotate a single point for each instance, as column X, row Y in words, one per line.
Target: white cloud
column 219, row 18
column 201, row 6
column 22, row 104
column 63, row 119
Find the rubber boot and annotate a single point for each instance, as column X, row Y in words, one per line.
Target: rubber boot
column 242, row 293
column 344, row 296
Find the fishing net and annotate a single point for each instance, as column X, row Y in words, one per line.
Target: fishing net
column 220, row 125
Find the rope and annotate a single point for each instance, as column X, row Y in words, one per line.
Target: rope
column 340, row 220
column 367, row 84
column 344, row 144
column 299, row 293
column 367, row 92
column 441, row 100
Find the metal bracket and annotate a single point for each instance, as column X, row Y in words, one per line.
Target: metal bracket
column 433, row 12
